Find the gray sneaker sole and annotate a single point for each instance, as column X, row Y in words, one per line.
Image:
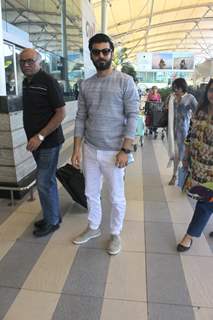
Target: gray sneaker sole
column 113, row 253
column 86, row 240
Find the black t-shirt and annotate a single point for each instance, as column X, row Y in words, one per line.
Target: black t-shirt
column 41, row 97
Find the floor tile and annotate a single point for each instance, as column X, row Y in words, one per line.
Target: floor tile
column 134, row 193
column 160, row 238
column 156, row 211
column 88, row 273
column 33, row 305
column 7, row 296
column 203, row 313
column 134, row 210
column 181, row 212
column 134, row 174
column 200, row 286
column 18, row 262
column 44, row 278
column 165, row 280
column 78, row 308
column 207, row 230
column 133, row 236
column 123, row 310
column 126, row 278
column 166, row 177
column 15, row 225
column 5, row 212
column 71, row 226
column 173, row 193
column 5, row 246
column 152, row 180
column 169, row 312
column 30, row 206
column 153, row 194
column 149, row 166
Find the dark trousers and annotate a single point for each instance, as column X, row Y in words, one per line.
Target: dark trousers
column 202, row 213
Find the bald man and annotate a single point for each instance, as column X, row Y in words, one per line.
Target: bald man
column 43, row 112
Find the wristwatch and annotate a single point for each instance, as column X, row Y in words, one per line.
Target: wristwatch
column 125, row 150
column 41, row 138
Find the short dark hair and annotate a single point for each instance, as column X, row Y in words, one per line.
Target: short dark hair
column 203, row 105
column 180, row 83
column 98, row 38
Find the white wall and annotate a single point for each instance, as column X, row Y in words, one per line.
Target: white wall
column 2, row 71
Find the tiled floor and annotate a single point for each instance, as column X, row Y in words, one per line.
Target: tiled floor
column 50, row 278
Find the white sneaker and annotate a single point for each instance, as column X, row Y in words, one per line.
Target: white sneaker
column 87, row 235
column 114, row 246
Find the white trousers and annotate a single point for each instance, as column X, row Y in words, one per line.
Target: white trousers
column 98, row 164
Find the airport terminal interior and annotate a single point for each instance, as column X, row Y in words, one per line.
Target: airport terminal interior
column 50, row 278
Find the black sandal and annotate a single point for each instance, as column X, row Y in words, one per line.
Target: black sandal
column 181, row 248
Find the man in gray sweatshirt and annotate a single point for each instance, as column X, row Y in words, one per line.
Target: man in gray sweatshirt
column 106, row 120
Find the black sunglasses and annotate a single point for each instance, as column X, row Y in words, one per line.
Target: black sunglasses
column 105, row 51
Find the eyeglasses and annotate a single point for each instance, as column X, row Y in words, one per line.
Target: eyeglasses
column 30, row 62
column 105, row 51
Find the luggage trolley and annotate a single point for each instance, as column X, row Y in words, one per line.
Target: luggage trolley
column 156, row 117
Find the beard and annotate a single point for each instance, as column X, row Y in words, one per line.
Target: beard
column 102, row 64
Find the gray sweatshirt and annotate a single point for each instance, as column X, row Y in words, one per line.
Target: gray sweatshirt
column 107, row 110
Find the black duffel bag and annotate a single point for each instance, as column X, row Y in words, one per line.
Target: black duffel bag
column 73, row 181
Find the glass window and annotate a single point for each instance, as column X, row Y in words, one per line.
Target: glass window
column 160, row 77
column 150, row 77
column 46, row 35
column 18, row 72
column 9, row 69
column 142, row 76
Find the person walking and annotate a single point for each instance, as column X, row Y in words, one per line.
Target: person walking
column 43, row 112
column 154, row 96
column 180, row 108
column 199, row 154
column 108, row 105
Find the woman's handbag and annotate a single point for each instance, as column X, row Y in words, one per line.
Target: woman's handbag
column 201, row 193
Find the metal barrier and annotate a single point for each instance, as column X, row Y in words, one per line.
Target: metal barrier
column 24, row 188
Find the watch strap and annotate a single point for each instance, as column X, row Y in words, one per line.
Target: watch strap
column 125, row 150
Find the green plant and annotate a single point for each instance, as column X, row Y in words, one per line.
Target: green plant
column 165, row 92
column 129, row 69
column 120, row 56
